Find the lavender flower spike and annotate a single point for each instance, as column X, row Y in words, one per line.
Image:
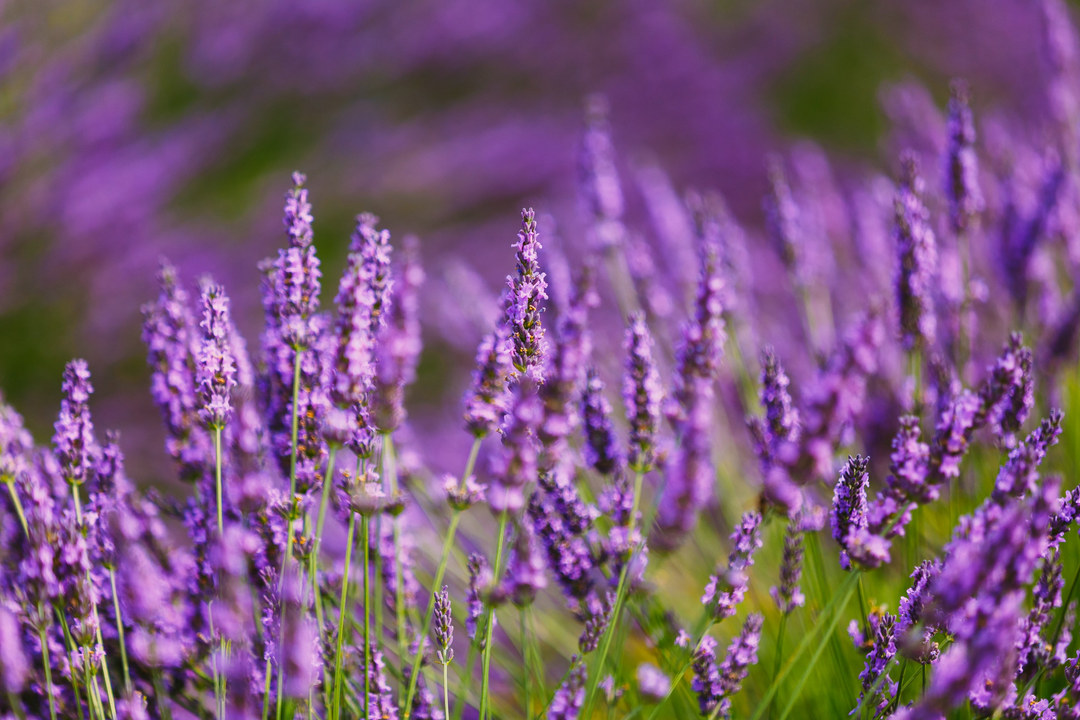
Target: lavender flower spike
column 444, row 626
column 571, row 694
column 962, row 163
column 214, row 364
column 523, row 309
column 642, row 393
column 488, row 400
column 787, row 595
column 726, row 590
column 849, row 505
column 917, row 260
column 77, row 449
column 876, row 665
column 714, row 685
column 601, row 445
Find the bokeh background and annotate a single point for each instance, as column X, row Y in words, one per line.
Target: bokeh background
column 130, row 130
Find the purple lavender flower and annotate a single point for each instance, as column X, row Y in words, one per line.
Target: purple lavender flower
column 568, row 699
column 597, row 614
column 726, row 589
column 169, row 336
column 400, row 343
column 781, row 417
column 598, row 178
column 642, row 394
column 717, row 685
column 653, row 684
column 444, row 626
column 601, row 444
column 962, row 163
column 1019, row 476
column 910, row 613
column 525, row 568
column 1036, row 653
column 909, row 463
column 952, row 436
column 487, row 401
column 381, row 698
column 215, row 368
column 291, row 294
column 517, row 467
column 917, row 260
column 787, row 595
column 480, row 579
column 876, row 665
column 1020, row 235
column 16, row 444
column 566, row 365
column 14, row 666
column 561, row 521
column 77, row 449
column 783, row 221
column 1007, row 395
column 702, row 343
column 849, row 505
column 523, row 309
column 690, row 476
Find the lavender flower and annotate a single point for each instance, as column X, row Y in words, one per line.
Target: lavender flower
column 488, row 400
column 715, row 686
column 725, row 590
column 598, row 178
column 291, row 294
column 480, row 579
column 690, row 475
column 561, row 520
column 381, row 698
column 215, row 368
column 517, row 467
column 601, row 444
column 77, row 449
column 642, row 394
column 917, row 260
column 597, row 615
column 962, row 163
column 781, row 417
column 702, row 343
column 876, row 665
column 952, row 436
column 849, row 505
column 444, row 627
column 14, row 666
column 784, row 223
column 399, row 344
column 1035, row 650
column 910, row 614
column 566, row 366
column 169, row 336
column 571, row 694
column 525, row 569
column 787, row 595
column 653, row 684
column 523, row 309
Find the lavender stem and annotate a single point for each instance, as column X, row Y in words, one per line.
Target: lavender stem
column 484, row 678
column 120, row 631
column 335, row 710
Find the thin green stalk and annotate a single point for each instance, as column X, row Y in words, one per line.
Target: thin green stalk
column 214, row 664
column 448, row 544
column 779, row 651
column 18, row 505
column 46, row 663
column 367, row 616
column 616, row 611
column 292, row 499
column 840, row 598
column 534, row 650
column 465, row 680
column 163, row 704
column 335, row 709
column 445, row 692
column 313, row 568
column 217, row 480
column 218, row 689
column 390, row 465
column 525, row 661
column 489, row 624
column 120, row 632
column 70, row 644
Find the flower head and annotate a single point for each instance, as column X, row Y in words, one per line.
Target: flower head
column 215, row 367
column 523, row 310
column 917, row 260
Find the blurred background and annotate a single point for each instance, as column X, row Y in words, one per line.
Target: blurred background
column 131, row 130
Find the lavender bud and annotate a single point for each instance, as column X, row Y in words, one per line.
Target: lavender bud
column 601, row 444
column 877, row 662
column 597, row 616
column 480, row 579
column 464, row 496
column 488, row 400
column 962, row 163
column 77, row 449
column 643, row 395
column 523, row 309
column 444, row 626
column 215, row 367
column 787, row 595
column 917, row 260
column 849, row 505
column 715, row 686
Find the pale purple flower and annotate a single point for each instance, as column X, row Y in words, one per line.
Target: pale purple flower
column 215, row 366
column 443, row 626
column 598, row 179
column 787, row 595
column 601, row 449
column 398, row 349
column 568, row 699
column 910, row 613
column 653, row 684
column 702, row 343
column 689, row 477
column 480, row 579
column 596, row 612
column 525, row 568
column 642, row 394
column 14, row 665
column 567, row 363
column 961, row 162
column 716, row 685
column 488, row 400
column 727, row 588
column 77, row 449
column 916, row 253
column 381, row 698
column 527, row 289
column 516, row 468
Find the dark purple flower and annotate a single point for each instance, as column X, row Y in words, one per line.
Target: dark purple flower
column 480, row 579
column 525, row 568
column 601, row 444
column 444, row 626
column 916, row 253
column 566, row 365
column 717, row 685
column 1036, row 653
column 961, row 162
column 561, row 521
column 523, row 309
column 952, row 436
column 596, row 612
column 215, row 367
column 568, row 699
column 781, row 417
column 642, row 393
column 910, row 613
column 381, row 703
column 727, row 588
column 77, row 449
column 488, row 400
column 787, row 595
column 876, row 665
column 849, row 505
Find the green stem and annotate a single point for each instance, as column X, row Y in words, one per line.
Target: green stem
column 390, row 465
column 313, row 568
column 335, row 710
column 214, row 663
column 616, row 611
column 448, row 544
column 445, row 692
column 18, row 505
column 70, row 644
column 779, row 651
column 217, row 481
column 162, row 701
column 46, row 663
column 465, row 680
column 367, row 615
column 525, row 661
column 488, row 625
column 292, row 499
column 120, row 632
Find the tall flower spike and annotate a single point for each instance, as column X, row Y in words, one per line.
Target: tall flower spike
column 215, row 366
column 962, row 163
column 916, row 260
column 487, row 400
column 715, row 686
column 169, row 335
column 601, row 445
column 787, row 595
column 568, row 699
column 781, row 417
column 642, row 393
column 516, row 468
column 877, row 661
column 702, row 343
column 480, row 579
column 400, row 343
column 849, row 505
column 726, row 590
column 600, row 187
column 77, row 449
column 689, row 476
column 523, row 309
column 444, row 626
column 525, row 570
